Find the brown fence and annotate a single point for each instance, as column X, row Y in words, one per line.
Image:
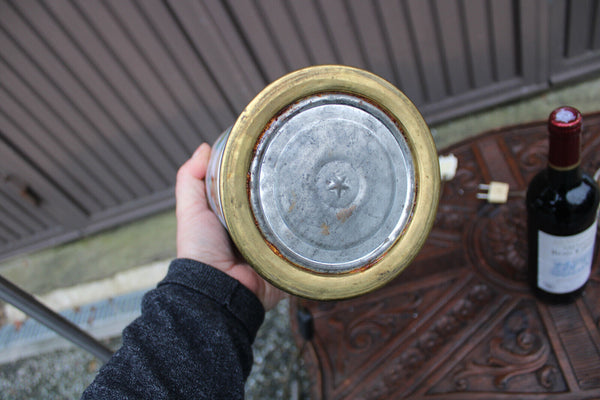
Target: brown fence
column 100, row 101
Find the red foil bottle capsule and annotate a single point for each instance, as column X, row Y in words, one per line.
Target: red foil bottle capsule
column 564, row 129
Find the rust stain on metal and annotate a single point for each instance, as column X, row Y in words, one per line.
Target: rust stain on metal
column 293, row 202
column 249, row 194
column 274, row 250
column 365, row 267
column 346, row 213
column 325, row 229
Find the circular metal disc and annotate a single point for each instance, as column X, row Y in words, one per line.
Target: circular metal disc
column 332, row 183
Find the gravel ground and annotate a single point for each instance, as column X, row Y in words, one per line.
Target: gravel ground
column 61, row 374
column 277, row 373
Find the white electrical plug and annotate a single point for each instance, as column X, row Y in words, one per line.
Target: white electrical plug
column 448, row 166
column 495, row 192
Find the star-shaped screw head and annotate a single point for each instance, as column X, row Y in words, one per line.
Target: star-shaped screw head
column 337, row 184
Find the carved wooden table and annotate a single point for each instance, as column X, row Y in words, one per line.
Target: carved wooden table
column 460, row 323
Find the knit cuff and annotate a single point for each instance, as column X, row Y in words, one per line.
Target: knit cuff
column 219, row 287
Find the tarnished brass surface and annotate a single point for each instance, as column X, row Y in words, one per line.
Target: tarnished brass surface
column 239, row 151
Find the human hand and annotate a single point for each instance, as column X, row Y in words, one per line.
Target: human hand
column 202, row 237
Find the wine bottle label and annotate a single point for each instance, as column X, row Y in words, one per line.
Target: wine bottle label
column 565, row 262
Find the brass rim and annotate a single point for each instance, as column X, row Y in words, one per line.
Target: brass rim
column 238, row 154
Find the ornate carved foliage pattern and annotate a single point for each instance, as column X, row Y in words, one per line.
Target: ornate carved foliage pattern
column 515, row 357
column 460, row 322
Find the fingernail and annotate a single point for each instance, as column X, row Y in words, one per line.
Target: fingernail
column 198, row 150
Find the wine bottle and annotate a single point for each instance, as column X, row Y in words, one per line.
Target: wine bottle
column 562, row 214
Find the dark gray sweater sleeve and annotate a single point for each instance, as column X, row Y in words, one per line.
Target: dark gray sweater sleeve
column 192, row 341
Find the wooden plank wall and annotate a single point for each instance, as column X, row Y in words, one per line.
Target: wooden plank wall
column 101, row 101
column 575, row 46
